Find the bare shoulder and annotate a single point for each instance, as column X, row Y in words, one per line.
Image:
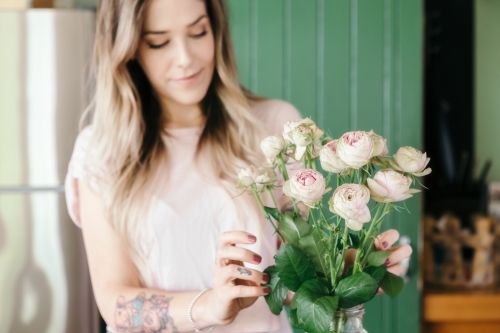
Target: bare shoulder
column 274, row 113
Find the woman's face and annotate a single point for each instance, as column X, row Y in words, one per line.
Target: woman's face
column 176, row 50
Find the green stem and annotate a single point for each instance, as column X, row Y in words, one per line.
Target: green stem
column 283, row 168
column 272, row 197
column 268, row 217
column 342, row 253
column 367, row 236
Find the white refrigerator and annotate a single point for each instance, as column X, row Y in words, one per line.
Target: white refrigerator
column 44, row 87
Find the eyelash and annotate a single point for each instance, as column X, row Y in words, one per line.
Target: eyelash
column 159, row 46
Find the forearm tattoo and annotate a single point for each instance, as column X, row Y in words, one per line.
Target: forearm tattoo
column 144, row 315
column 244, row 271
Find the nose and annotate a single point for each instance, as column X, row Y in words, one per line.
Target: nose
column 183, row 54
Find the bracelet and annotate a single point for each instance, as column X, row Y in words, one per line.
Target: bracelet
column 190, row 308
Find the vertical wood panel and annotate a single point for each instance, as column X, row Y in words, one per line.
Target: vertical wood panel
column 270, row 49
column 336, row 67
column 239, row 21
column 303, row 57
column 370, row 65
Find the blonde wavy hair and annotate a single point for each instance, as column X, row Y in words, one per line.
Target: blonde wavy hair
column 128, row 121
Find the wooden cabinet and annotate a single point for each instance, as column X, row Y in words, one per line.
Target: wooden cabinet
column 461, row 313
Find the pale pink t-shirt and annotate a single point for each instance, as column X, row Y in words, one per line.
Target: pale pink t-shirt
column 180, row 235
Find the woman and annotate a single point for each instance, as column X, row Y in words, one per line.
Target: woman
column 151, row 181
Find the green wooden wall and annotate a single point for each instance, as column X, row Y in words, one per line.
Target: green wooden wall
column 348, row 64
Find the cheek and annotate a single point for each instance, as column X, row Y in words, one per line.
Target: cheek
column 205, row 52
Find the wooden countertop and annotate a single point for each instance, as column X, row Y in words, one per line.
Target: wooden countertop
column 445, row 307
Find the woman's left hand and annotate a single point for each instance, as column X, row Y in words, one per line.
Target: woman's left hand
column 385, row 242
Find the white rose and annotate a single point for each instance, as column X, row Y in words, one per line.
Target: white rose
column 259, row 177
column 307, row 186
column 246, row 177
column 265, row 177
column 355, row 148
column 379, row 145
column 389, row 186
column 303, row 133
column 349, row 201
column 329, row 159
column 411, row 160
column 272, row 146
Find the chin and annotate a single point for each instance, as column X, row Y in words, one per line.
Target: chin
column 189, row 98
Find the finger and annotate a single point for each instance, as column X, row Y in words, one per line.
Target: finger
column 396, row 269
column 227, row 253
column 398, row 253
column 386, row 239
column 233, row 272
column 236, row 237
column 241, row 291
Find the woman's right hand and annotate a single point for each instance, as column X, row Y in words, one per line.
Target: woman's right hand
column 236, row 287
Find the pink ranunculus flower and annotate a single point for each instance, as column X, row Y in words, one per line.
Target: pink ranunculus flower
column 389, row 185
column 350, row 201
column 329, row 159
column 355, row 148
column 379, row 145
column 307, row 186
column 411, row 160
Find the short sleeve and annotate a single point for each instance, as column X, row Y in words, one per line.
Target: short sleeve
column 76, row 171
column 274, row 114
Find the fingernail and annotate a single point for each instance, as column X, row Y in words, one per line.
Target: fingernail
column 266, row 278
column 252, row 239
column 266, row 290
column 387, row 262
column 257, row 258
column 385, row 244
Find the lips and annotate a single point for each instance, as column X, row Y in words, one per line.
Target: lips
column 188, row 79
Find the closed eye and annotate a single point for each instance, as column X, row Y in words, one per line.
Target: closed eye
column 158, row 46
column 201, row 34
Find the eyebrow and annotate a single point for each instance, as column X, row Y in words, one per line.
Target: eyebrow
column 160, row 32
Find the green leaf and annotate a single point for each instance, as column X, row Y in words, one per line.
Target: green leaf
column 392, row 284
column 294, row 267
column 274, row 212
column 315, row 308
column 376, row 272
column 292, row 228
column 378, row 258
column 276, row 298
column 356, row 289
column 354, row 239
column 315, row 285
column 313, row 246
column 293, row 319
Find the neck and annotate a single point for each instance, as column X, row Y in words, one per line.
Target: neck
column 180, row 115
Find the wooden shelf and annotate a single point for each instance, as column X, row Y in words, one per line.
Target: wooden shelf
column 457, row 313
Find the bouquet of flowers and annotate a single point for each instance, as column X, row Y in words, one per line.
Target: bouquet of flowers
column 310, row 261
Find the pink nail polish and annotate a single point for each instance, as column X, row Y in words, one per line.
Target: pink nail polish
column 266, row 290
column 257, row 258
column 387, row 262
column 252, row 239
column 384, row 245
column 266, row 278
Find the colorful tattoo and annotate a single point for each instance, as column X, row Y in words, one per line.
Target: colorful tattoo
column 144, row 315
column 244, row 271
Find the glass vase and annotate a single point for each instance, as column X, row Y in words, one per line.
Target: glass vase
column 349, row 320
